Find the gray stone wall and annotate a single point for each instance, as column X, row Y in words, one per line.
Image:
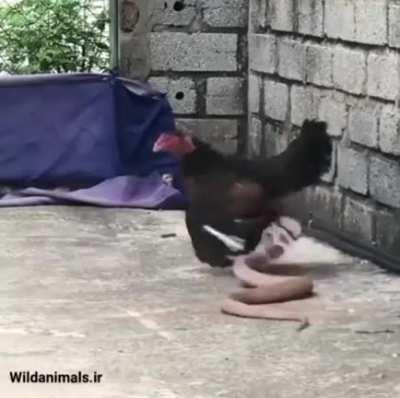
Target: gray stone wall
column 197, row 51
column 337, row 61
column 333, row 60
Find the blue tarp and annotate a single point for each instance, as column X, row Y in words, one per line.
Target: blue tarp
column 81, row 130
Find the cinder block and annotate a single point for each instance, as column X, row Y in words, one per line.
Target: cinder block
column 385, row 181
column 304, row 104
column 353, row 170
column 325, row 204
column 200, row 52
column 276, row 139
column 310, row 14
column 358, row 219
column 262, row 53
column 281, row 15
column 225, row 96
column 363, row 124
column 333, row 110
column 292, row 59
column 221, row 133
column 258, row 15
column 135, row 63
column 371, row 21
column 276, row 100
column 388, row 232
column 340, row 19
column 225, row 13
column 389, row 130
column 181, row 93
column 356, row 20
column 254, row 139
column 349, row 69
column 166, row 13
column 383, row 75
column 254, row 93
column 319, row 65
column 394, row 25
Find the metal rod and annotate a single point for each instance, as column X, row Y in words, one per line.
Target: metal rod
column 114, row 33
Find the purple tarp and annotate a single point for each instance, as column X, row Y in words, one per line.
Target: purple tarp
column 125, row 191
column 91, row 130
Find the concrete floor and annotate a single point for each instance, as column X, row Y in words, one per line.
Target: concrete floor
column 85, row 289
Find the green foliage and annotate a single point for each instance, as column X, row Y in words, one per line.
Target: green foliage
column 53, row 36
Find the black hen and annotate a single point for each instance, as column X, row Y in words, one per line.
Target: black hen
column 233, row 199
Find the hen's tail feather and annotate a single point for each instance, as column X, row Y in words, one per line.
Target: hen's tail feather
column 302, row 164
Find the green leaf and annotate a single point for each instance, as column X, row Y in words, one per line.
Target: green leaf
column 53, row 35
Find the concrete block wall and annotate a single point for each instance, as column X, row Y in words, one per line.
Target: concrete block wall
column 246, row 73
column 338, row 61
column 196, row 50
